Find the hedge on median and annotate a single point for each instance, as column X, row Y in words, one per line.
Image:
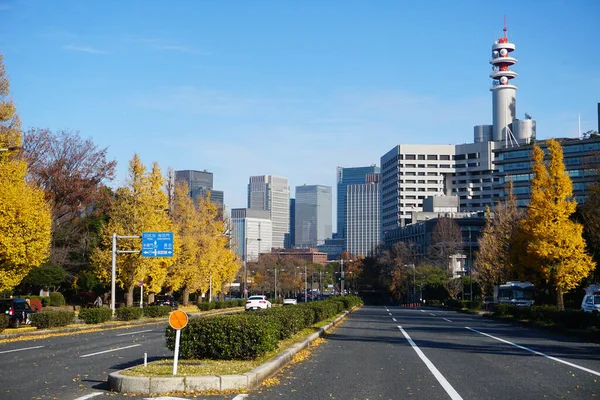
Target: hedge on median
column 251, row 334
column 49, row 319
column 156, row 311
column 206, row 306
column 550, row 315
column 95, row 315
column 4, row 321
column 129, row 313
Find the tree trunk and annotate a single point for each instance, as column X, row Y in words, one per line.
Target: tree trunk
column 559, row 299
column 130, row 295
column 151, row 298
column 186, row 296
column 199, row 300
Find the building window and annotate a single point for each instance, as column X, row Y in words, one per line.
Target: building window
column 410, row 157
column 432, row 157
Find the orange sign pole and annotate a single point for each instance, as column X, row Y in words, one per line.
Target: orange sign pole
column 178, row 320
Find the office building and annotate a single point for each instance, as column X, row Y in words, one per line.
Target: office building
column 272, row 193
column 345, row 177
column 313, row 215
column 200, row 184
column 252, row 233
column 290, row 238
column 363, row 216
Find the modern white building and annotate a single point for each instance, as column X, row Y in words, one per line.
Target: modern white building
column 363, row 216
column 252, row 233
column 313, row 215
column 272, row 194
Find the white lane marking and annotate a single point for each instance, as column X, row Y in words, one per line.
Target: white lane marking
column 422, row 310
column 394, row 319
column 240, row 396
column 446, row 319
column 390, row 313
column 440, row 378
column 163, row 398
column 108, row 351
column 23, row 349
column 591, row 371
column 134, row 333
column 89, row 396
column 432, row 314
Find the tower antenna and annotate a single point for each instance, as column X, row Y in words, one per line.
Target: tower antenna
column 504, row 27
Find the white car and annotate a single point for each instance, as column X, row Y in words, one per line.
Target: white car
column 591, row 303
column 290, row 302
column 257, row 303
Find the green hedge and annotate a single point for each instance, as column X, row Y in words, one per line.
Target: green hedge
column 95, row 315
column 226, row 337
column 129, row 313
column 156, row 311
column 250, row 335
column 4, row 321
column 56, row 299
column 550, row 315
column 206, row 306
column 49, row 319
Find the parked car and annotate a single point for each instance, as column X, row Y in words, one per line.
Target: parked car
column 257, row 303
column 290, row 302
column 17, row 310
column 591, row 300
column 166, row 300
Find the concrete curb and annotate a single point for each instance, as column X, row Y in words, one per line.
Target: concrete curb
column 121, row 324
column 250, row 380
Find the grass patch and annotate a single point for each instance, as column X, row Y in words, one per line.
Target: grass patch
column 219, row 367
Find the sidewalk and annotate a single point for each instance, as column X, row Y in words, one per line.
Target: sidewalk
column 82, row 327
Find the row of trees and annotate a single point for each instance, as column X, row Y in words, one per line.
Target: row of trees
column 57, row 218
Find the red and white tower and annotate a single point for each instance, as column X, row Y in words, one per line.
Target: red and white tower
column 504, row 102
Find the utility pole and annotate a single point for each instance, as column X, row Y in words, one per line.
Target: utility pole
column 341, row 277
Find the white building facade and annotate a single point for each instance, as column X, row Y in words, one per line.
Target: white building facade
column 362, row 218
column 272, row 194
column 252, row 233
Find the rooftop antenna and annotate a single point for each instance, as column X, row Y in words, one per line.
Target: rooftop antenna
column 504, row 27
column 579, row 126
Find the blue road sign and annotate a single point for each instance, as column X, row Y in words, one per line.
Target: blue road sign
column 157, row 244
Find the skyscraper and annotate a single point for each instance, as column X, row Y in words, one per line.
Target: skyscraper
column 363, row 216
column 272, row 193
column 200, row 184
column 345, row 177
column 313, row 215
column 252, row 233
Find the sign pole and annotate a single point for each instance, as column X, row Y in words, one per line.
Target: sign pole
column 114, row 274
column 176, row 357
column 141, row 295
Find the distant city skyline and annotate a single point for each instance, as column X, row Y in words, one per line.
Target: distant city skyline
column 291, row 89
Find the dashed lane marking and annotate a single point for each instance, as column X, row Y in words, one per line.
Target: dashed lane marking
column 134, row 333
column 89, row 396
column 394, row 319
column 438, row 375
column 111, row 350
column 446, row 319
column 390, row 313
column 591, row 371
column 23, row 349
column 240, row 396
column 432, row 314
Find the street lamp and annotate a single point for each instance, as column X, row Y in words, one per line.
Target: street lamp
column 245, row 261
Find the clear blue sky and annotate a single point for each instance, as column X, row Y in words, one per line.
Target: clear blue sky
column 290, row 88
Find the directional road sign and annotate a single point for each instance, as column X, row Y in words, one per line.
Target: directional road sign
column 157, row 244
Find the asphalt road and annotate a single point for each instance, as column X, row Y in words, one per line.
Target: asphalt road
column 376, row 353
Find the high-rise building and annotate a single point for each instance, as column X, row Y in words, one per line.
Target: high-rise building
column 252, row 233
column 363, row 216
column 345, row 177
column 313, row 215
column 290, row 238
column 272, row 193
column 410, row 173
column 200, row 184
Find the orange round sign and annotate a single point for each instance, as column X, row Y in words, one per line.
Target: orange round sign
column 178, row 319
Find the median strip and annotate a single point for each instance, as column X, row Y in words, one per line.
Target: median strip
column 438, row 375
column 591, row 371
column 109, row 351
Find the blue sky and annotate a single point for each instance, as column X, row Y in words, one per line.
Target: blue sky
column 290, row 88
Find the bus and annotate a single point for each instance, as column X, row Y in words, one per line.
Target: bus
column 515, row 293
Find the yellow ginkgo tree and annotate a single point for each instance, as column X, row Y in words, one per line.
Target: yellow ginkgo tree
column 140, row 206
column 555, row 251
column 25, row 224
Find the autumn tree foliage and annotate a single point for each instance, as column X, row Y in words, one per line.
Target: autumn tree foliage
column 446, row 241
column 497, row 258
column 73, row 173
column 396, row 266
column 555, row 251
column 24, row 214
column 139, row 207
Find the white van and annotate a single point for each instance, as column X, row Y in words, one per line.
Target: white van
column 591, row 300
